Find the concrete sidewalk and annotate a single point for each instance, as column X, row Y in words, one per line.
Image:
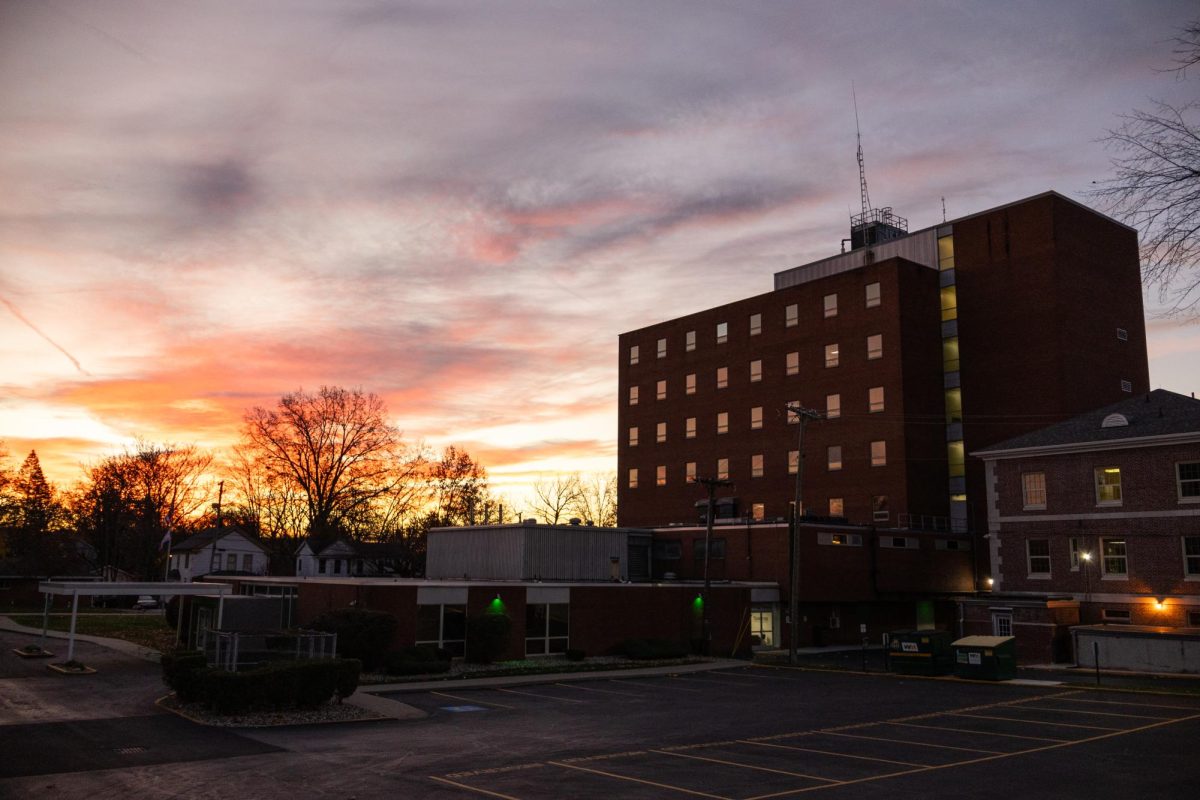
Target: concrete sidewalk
column 119, row 645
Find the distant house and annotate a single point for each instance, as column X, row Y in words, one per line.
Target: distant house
column 323, row 558
column 226, row 550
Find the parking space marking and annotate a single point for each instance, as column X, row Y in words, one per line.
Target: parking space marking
column 1094, row 713
column 908, row 741
column 693, row 679
column 832, row 753
column 751, row 675
column 639, row 780
column 982, row 733
column 594, row 689
column 1127, row 703
column 1038, row 722
column 471, row 700
column 746, row 766
column 475, row 789
column 542, row 696
column 660, row 686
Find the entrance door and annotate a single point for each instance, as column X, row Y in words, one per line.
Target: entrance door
column 762, row 625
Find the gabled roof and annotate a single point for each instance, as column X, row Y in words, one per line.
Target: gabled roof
column 198, row 541
column 1160, row 415
column 375, row 550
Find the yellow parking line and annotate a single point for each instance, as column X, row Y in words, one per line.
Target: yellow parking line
column 593, row 689
column 471, row 700
column 639, row 780
column 749, row 675
column 909, row 741
column 659, row 686
column 1129, row 703
column 1095, row 713
column 542, row 696
column 833, row 753
column 984, row 733
column 747, row 766
column 1039, row 722
column 473, row 788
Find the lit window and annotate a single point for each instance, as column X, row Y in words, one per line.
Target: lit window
column 722, row 469
column 945, row 247
column 834, row 457
column 722, row 377
column 633, row 478
column 949, row 303
column 1038, row 551
column 831, row 305
column 660, row 475
column 1033, row 490
column 660, row 432
column 791, row 315
column 662, row 348
column 956, row 458
column 756, row 417
column 633, row 395
column 689, row 471
column 1108, row 486
column 1113, row 559
column 879, row 454
column 875, row 399
column 793, row 414
column 837, row 508
column 950, row 354
column 755, row 370
column 872, row 295
column 633, row 437
column 689, row 383
column 879, row 508
column 831, row 355
column 633, row 354
column 660, row 390
column 1191, row 556
column 833, row 406
column 690, row 341
column 756, row 465
column 1117, row 615
column 1188, row 481
column 758, row 512
column 722, row 422
column 793, row 363
column 793, row 461
column 755, row 324
column 722, row 332
column 690, row 428
column 874, row 346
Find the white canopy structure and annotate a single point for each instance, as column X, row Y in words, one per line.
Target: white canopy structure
column 129, row 588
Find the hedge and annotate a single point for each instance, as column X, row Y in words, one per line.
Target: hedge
column 182, row 670
column 488, row 637
column 417, row 660
column 362, row 634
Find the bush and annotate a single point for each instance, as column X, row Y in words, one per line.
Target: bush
column 417, row 660
column 347, row 677
column 362, row 634
column 487, row 638
column 282, row 685
column 183, row 671
column 575, row 654
column 653, row 649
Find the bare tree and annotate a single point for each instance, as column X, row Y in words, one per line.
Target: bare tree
column 459, row 488
column 596, row 501
column 555, row 496
column 334, row 447
column 1156, row 186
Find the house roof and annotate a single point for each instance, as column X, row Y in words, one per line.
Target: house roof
column 1159, row 413
column 202, row 539
column 320, row 547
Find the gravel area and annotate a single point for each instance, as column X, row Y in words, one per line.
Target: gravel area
column 529, row 666
column 330, row 712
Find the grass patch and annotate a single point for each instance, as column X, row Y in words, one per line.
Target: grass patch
column 148, row 630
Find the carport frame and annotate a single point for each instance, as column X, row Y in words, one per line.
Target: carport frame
column 98, row 588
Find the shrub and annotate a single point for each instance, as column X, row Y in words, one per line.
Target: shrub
column 487, row 638
column 362, row 634
column 183, row 671
column 652, row 649
column 347, row 677
column 281, row 685
column 417, row 660
column 575, row 654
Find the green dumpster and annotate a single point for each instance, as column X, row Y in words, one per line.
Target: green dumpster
column 989, row 658
column 920, row 652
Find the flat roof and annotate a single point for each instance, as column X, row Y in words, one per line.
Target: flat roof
column 269, row 580
column 154, row 589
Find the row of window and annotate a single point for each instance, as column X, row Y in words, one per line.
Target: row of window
column 229, row 562
column 791, row 318
column 833, row 462
column 547, row 628
column 672, row 549
column 1113, row 557
column 833, row 409
column 1107, row 482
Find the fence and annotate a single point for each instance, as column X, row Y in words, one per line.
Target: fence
column 239, row 650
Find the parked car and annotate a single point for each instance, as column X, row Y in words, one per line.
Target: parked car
column 146, row 602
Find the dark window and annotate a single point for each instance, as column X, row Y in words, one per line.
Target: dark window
column 668, row 550
column 1191, row 556
column 716, row 549
column 1189, row 480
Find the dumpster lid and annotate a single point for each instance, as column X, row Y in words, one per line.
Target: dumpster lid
column 981, row 641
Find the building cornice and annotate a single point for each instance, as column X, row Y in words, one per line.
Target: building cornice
column 1162, row 440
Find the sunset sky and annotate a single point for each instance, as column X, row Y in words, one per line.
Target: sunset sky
column 459, row 206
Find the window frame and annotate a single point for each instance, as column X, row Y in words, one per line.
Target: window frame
column 722, row 422
column 457, row 646
column 833, row 405
column 829, row 305
column 874, row 353
column 722, row 332
column 833, row 464
column 1101, row 486
column 1030, row 494
column 689, row 383
column 632, row 478
column 633, row 395
column 633, row 435
column 661, row 348
column 837, row 507
column 1191, row 561
column 833, row 355
column 660, row 432
column 689, row 341
column 876, row 404
column 1180, row 482
column 722, row 377
column 791, row 363
column 877, row 299
column 756, row 465
column 791, row 315
column 634, row 354
column 756, row 418
column 756, row 373
column 722, row 469
column 879, row 455
column 1042, row 559
column 755, row 324
column 689, row 428
column 550, row 644
column 660, row 389
column 660, row 475
column 1105, row 557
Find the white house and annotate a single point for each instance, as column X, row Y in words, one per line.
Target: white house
column 342, row 557
column 229, row 549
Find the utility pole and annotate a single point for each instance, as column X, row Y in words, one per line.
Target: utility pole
column 805, row 415
column 711, row 484
column 212, row 559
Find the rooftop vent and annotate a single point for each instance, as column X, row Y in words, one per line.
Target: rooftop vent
column 1114, row 421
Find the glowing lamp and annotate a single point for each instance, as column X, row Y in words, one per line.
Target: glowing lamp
column 1160, row 604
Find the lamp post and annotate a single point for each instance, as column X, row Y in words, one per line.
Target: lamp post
column 804, row 415
column 1086, row 557
column 711, row 484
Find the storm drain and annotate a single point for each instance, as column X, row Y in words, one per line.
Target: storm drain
column 128, row 751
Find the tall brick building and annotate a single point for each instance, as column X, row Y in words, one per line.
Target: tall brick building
column 917, row 348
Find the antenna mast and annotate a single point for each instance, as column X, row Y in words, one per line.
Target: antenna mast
column 862, row 170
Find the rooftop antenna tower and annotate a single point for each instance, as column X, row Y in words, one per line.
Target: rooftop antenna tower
column 873, row 225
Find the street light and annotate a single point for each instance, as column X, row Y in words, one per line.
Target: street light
column 1086, row 556
column 711, row 484
column 803, row 416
